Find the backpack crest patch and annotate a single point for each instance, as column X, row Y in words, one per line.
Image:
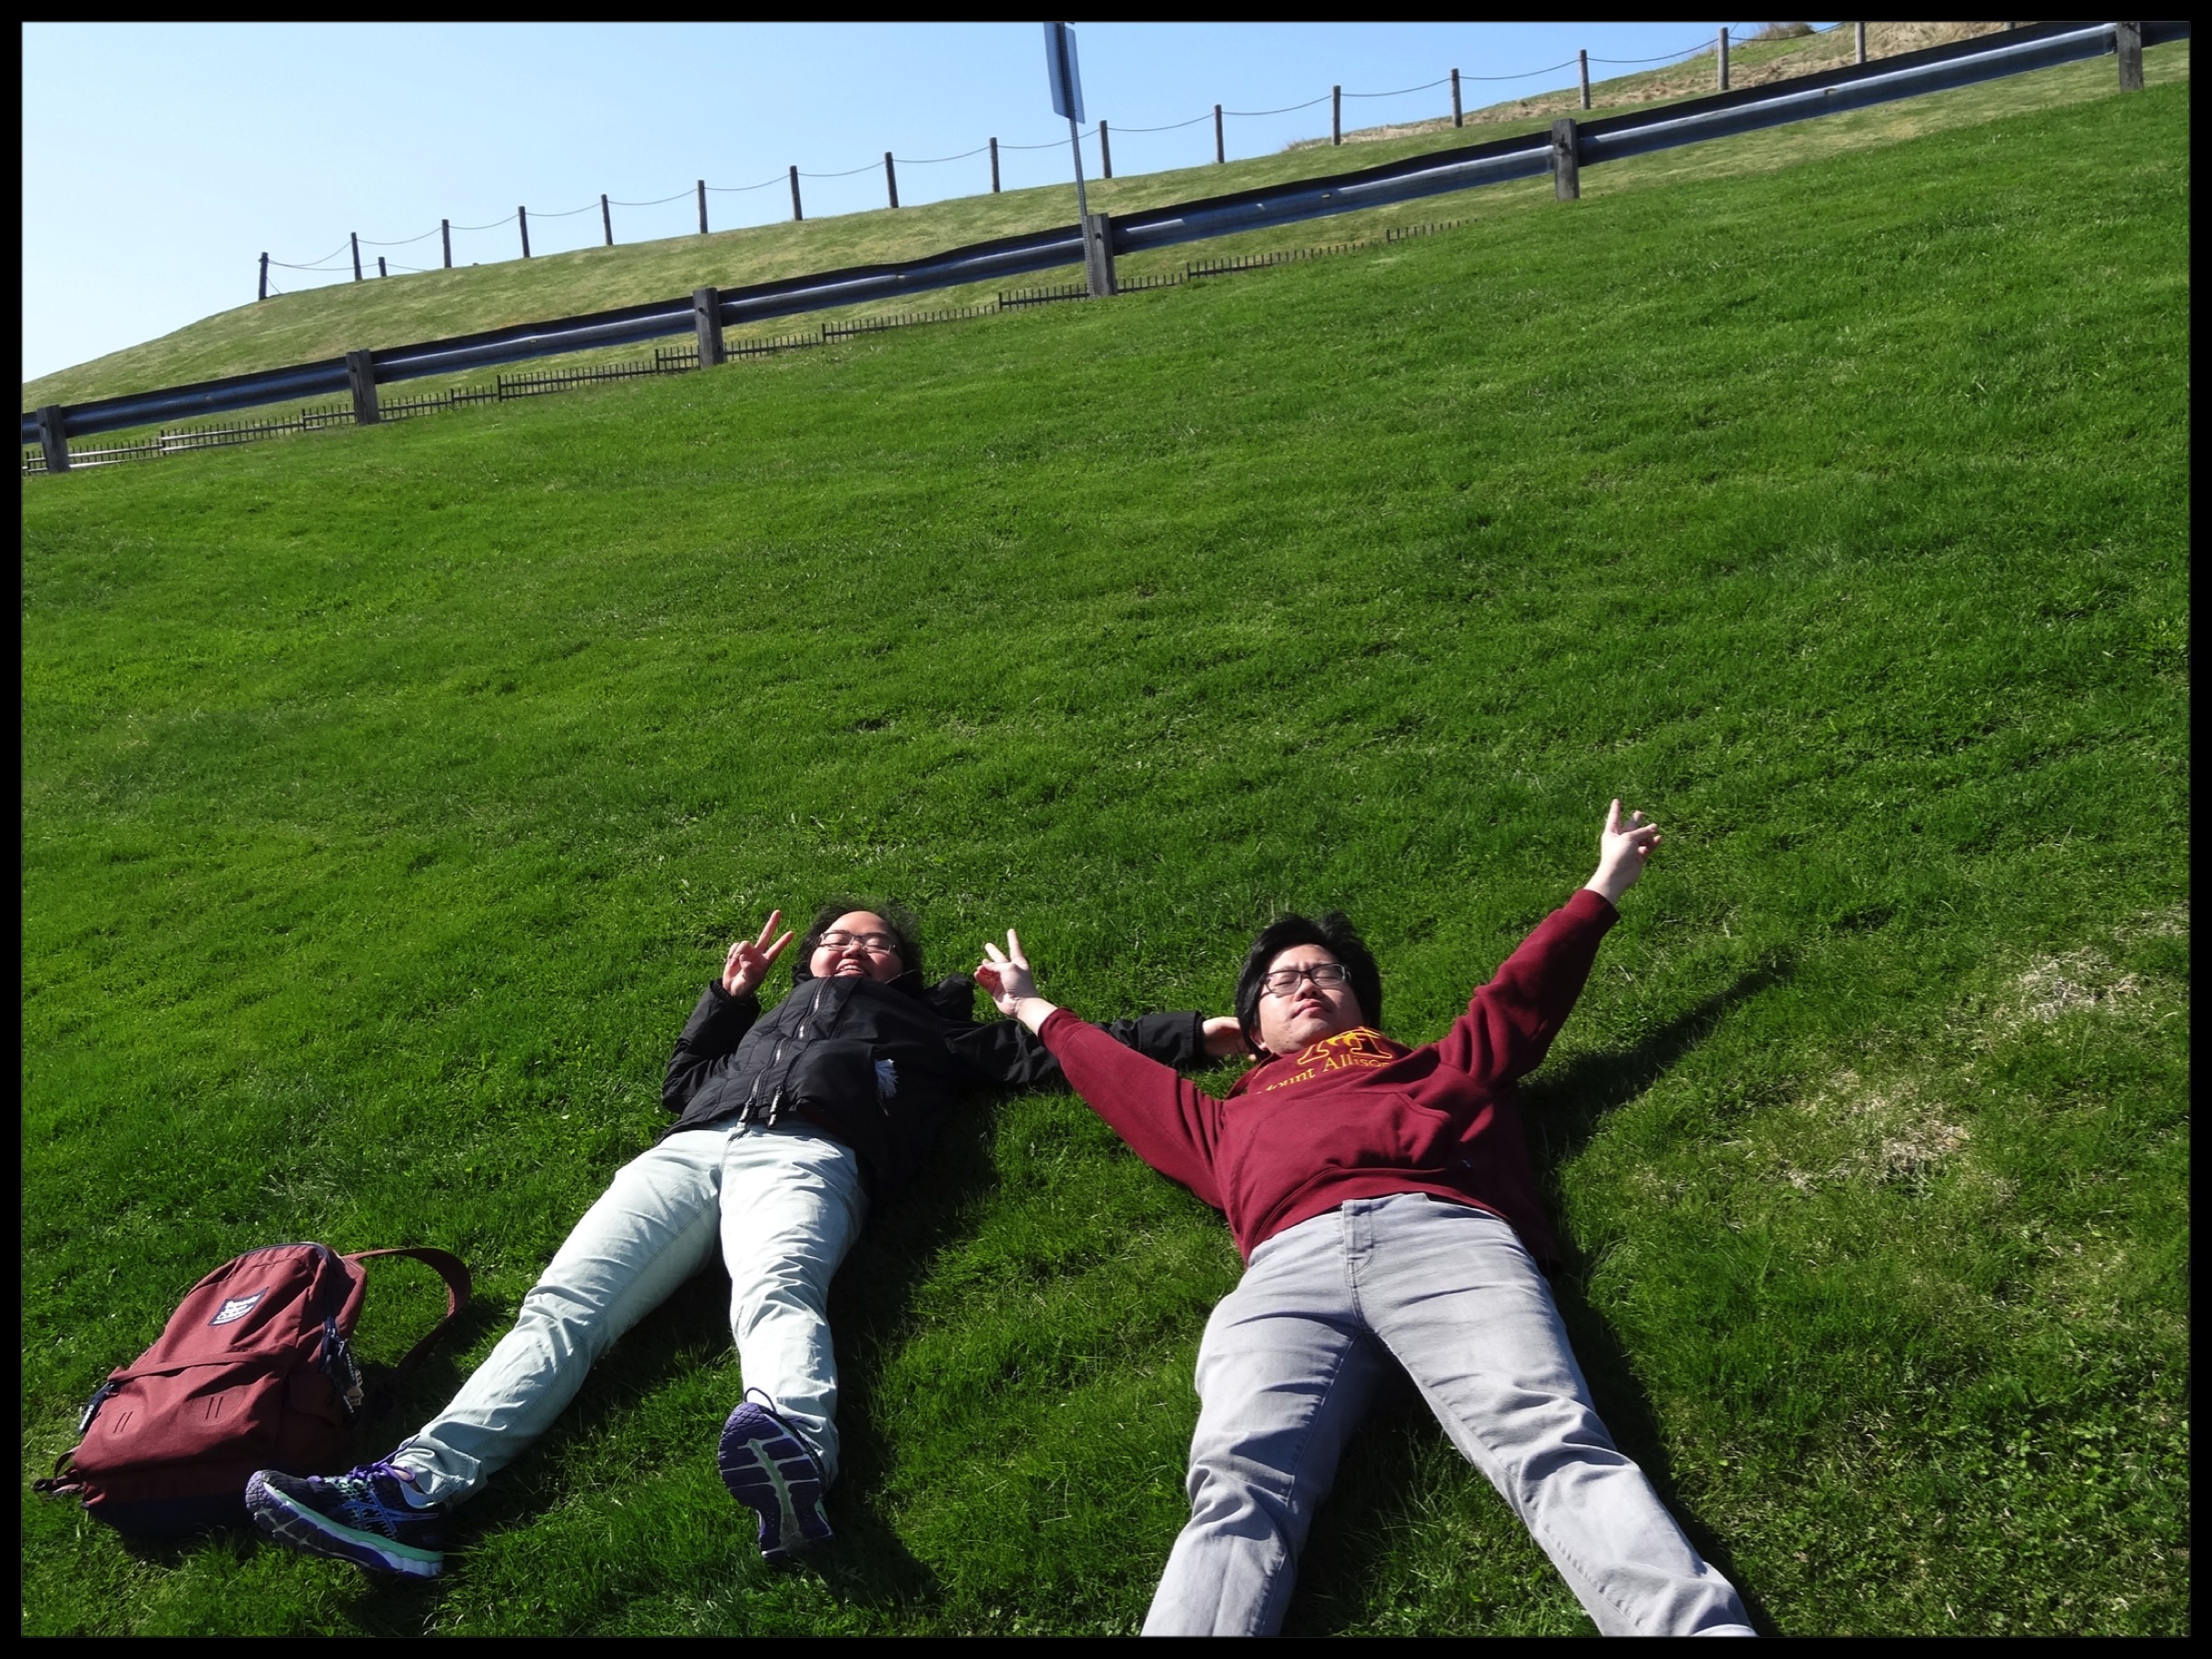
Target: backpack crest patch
column 237, row 1307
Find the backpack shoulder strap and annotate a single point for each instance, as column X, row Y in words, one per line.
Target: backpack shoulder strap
column 449, row 1267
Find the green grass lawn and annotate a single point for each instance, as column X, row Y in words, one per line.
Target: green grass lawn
column 326, row 322
column 388, row 796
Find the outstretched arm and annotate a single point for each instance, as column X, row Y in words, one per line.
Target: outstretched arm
column 1008, row 980
column 1509, row 1027
column 1167, row 1123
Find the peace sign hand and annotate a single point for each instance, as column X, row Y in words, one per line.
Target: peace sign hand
column 1005, row 976
column 750, row 960
column 1622, row 847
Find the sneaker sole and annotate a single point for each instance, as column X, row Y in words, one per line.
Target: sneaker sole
column 773, row 1476
column 305, row 1529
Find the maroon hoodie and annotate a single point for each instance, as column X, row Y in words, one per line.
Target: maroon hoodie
column 1358, row 1115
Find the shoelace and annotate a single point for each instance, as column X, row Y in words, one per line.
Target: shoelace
column 365, row 1506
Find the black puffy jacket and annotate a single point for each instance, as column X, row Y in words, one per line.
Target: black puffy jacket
column 875, row 1064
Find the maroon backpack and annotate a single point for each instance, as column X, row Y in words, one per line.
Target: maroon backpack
column 253, row 1371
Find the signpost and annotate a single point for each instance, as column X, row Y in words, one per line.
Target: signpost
column 1066, row 77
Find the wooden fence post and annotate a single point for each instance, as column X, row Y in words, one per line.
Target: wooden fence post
column 1098, row 256
column 1723, row 60
column 53, row 438
column 2127, row 40
column 264, row 278
column 890, row 177
column 606, row 220
column 1335, row 115
column 797, row 213
column 1566, row 163
column 361, row 374
column 994, row 167
column 702, row 207
column 706, row 318
column 522, row 218
column 354, row 238
column 446, row 236
column 1457, row 119
column 1220, row 149
column 1105, row 149
column 1858, row 35
column 380, row 266
column 1582, row 61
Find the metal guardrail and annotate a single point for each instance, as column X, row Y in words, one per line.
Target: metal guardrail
column 1612, row 138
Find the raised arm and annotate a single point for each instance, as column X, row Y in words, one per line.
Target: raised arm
column 725, row 1011
column 1008, row 1052
column 1509, row 1027
column 1167, row 1121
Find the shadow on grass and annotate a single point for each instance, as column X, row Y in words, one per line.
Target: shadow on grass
column 871, row 1310
column 1354, row 1531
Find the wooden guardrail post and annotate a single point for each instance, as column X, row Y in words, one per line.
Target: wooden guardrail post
column 360, row 375
column 1723, row 60
column 1457, row 118
column 797, row 213
column 1098, row 256
column 522, row 218
column 1105, row 149
column 53, row 438
column 890, row 177
column 445, row 238
column 1566, row 162
column 706, row 318
column 994, row 167
column 2127, row 40
column 1581, row 61
column 606, row 220
column 1220, row 149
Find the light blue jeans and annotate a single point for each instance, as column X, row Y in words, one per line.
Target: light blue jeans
column 1292, row 1360
column 785, row 1204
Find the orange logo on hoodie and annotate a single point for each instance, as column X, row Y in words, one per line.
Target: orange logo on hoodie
column 1356, row 1049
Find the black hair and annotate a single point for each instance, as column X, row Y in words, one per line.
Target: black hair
column 1334, row 934
column 906, row 934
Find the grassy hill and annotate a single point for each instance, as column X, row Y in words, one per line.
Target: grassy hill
column 387, row 799
column 326, row 322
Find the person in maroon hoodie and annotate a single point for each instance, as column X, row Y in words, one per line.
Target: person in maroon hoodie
column 1383, row 1199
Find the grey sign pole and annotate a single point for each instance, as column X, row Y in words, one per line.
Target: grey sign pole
column 1067, row 98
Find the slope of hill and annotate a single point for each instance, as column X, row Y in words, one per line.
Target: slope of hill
column 326, row 322
column 387, row 799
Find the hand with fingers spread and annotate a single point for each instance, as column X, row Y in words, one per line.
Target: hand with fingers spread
column 1622, row 847
column 750, row 960
column 1005, row 975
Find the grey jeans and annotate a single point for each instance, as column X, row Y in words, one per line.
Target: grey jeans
column 784, row 1203
column 1292, row 1360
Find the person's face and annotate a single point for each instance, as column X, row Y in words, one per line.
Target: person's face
column 1306, row 1012
column 867, row 950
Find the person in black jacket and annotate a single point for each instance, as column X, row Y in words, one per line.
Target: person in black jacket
column 789, row 1126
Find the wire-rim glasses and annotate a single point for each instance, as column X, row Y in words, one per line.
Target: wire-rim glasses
column 1282, row 981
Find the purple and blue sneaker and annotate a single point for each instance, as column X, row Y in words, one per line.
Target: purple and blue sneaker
column 768, row 1469
column 361, row 1516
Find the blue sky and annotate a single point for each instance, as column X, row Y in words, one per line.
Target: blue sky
column 159, row 160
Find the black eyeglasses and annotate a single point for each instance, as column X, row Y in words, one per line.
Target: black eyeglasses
column 1281, row 981
column 837, row 939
